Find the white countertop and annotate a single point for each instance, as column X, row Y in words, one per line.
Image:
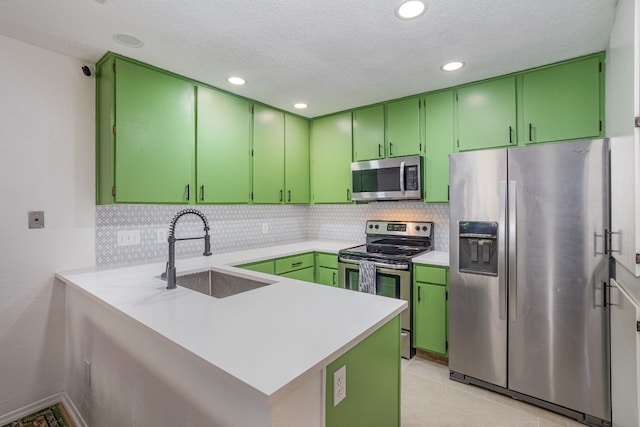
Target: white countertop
column 433, row 258
column 267, row 337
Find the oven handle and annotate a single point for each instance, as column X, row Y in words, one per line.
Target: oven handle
column 377, row 264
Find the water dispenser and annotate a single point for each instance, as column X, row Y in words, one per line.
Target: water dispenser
column 478, row 247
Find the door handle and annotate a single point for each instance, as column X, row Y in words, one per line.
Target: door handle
column 333, row 280
column 390, row 148
column 188, row 191
column 502, row 264
column 419, row 295
column 281, row 195
column 513, row 274
column 530, row 132
column 510, row 135
column 202, row 193
column 289, row 196
column 348, row 194
column 379, row 150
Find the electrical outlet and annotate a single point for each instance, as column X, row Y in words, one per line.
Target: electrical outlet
column 339, row 385
column 128, row 237
column 162, row 234
column 265, row 228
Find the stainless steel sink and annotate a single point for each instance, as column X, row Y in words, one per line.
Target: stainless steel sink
column 218, row 284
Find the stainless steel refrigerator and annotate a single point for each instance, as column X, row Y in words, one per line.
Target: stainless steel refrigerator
column 528, row 314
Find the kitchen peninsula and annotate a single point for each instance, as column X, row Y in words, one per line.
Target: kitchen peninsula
column 139, row 353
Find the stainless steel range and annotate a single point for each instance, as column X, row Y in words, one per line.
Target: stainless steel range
column 390, row 247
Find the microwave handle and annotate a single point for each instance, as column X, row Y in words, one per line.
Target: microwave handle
column 402, row 177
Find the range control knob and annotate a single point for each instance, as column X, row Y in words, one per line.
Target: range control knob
column 377, row 226
column 370, row 226
column 424, row 228
column 417, row 228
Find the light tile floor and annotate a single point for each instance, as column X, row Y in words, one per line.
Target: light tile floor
column 431, row 399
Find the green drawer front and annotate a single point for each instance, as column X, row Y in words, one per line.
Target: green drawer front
column 327, row 260
column 327, row 276
column 305, row 274
column 262, row 267
column 292, row 263
column 427, row 274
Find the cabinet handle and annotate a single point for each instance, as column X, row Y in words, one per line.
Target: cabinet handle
column 419, row 296
column 296, row 264
column 348, row 194
column 379, row 150
column 202, row 193
column 390, row 148
column 333, row 281
column 188, row 191
column 530, row 132
column 510, row 135
column 281, row 195
column 289, row 196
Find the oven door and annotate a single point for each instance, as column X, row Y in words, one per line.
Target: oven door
column 392, row 282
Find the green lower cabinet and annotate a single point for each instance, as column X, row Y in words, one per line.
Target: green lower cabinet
column 372, row 382
column 430, row 309
column 262, row 266
column 306, row 274
column 327, row 276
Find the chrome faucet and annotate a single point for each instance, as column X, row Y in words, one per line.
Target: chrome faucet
column 170, row 273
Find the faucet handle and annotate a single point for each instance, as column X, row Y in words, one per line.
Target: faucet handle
column 207, row 245
column 163, row 276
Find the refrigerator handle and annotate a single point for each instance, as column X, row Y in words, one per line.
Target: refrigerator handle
column 513, row 286
column 502, row 253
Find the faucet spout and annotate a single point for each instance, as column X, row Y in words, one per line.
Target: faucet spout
column 171, row 264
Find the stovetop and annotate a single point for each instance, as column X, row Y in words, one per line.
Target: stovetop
column 393, row 240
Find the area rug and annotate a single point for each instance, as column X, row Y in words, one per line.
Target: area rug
column 53, row 416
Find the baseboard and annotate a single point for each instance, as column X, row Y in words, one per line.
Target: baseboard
column 71, row 409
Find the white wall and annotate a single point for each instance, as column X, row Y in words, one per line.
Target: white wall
column 46, row 163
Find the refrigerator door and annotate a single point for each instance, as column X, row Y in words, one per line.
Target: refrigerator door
column 558, row 326
column 477, row 303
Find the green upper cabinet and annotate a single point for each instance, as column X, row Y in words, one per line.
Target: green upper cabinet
column 368, row 133
column 403, row 127
column 563, row 101
column 487, row 114
column 268, row 155
column 331, row 159
column 439, row 144
column 154, row 125
column 296, row 160
column 223, row 151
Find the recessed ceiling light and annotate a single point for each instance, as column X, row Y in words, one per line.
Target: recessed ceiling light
column 452, row 66
column 127, row 40
column 411, row 9
column 238, row 81
column 300, row 105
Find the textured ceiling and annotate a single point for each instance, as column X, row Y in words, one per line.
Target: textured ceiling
column 331, row 54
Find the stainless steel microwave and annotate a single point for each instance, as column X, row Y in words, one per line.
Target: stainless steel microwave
column 398, row 178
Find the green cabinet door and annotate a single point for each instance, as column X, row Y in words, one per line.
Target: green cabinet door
column 305, row 274
column 563, row 101
column 368, row 133
column 296, row 159
column 331, row 159
column 487, row 114
column 430, row 317
column 268, row 155
column 155, row 136
column 223, row 154
column 327, row 276
column 403, row 127
column 439, row 144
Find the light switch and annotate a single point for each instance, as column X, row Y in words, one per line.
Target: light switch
column 36, row 219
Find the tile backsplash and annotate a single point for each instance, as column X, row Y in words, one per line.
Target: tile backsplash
column 235, row 227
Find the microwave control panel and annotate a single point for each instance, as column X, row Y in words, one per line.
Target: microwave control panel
column 412, row 179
